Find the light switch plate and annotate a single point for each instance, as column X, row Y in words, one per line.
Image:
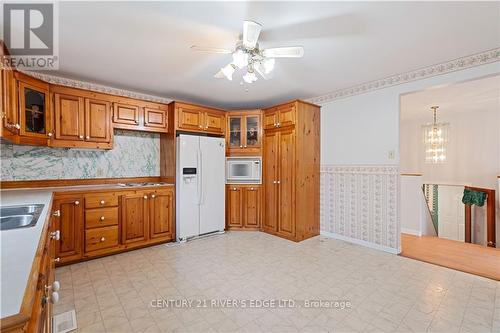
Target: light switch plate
column 391, row 154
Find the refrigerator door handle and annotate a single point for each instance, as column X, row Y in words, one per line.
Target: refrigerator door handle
column 198, row 164
column 201, row 177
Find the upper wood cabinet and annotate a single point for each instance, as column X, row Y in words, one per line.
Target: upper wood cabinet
column 194, row 118
column 280, row 116
column 97, row 121
column 140, row 115
column 291, row 159
column 80, row 121
column 26, row 109
column 244, row 132
column 125, row 114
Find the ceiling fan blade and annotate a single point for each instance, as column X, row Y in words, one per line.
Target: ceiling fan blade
column 251, row 32
column 260, row 69
column 284, row 52
column 219, row 75
column 210, row 49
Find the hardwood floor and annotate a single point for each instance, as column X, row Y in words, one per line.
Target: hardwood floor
column 465, row 257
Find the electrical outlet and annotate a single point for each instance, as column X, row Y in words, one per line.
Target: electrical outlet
column 391, row 154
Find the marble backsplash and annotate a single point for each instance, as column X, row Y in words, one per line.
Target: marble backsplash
column 135, row 154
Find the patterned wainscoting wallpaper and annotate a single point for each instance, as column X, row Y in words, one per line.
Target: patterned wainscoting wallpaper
column 360, row 203
column 135, row 154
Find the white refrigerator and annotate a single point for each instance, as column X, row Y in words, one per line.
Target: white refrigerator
column 200, row 186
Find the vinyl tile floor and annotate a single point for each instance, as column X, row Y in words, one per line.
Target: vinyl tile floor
column 254, row 282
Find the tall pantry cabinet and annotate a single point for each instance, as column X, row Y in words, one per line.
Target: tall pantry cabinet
column 291, row 170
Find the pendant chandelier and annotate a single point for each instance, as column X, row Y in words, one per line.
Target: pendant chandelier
column 435, row 137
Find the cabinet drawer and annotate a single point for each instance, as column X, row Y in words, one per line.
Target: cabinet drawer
column 101, row 238
column 101, row 217
column 101, row 200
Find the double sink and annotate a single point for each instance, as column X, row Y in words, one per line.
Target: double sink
column 20, row 216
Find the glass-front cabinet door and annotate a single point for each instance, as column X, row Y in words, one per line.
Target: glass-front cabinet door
column 252, row 132
column 34, row 110
column 235, row 132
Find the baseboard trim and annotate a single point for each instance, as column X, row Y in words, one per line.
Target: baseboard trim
column 411, row 232
column 360, row 242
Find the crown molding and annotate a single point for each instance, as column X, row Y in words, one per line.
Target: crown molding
column 477, row 59
column 96, row 87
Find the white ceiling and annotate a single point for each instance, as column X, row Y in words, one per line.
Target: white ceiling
column 481, row 95
column 144, row 46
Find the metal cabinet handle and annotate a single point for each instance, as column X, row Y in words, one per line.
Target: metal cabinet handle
column 153, row 196
column 241, row 146
column 234, row 188
column 145, row 197
column 54, row 297
column 57, row 213
column 274, row 182
column 244, row 146
column 77, row 202
column 102, row 218
column 81, row 136
column 56, row 235
column 279, row 124
column 278, row 182
column 252, row 189
column 87, row 137
column 103, row 239
column 57, row 259
column 201, row 126
column 12, row 125
column 102, row 202
column 49, row 134
column 55, row 286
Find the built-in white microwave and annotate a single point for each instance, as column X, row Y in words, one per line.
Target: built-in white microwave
column 243, row 170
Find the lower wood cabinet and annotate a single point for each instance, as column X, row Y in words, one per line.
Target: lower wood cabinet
column 243, row 207
column 68, row 220
column 98, row 223
column 161, row 215
column 134, row 209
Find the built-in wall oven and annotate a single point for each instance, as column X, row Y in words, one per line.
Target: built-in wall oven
column 244, row 170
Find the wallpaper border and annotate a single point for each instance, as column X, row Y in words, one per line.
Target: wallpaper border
column 469, row 61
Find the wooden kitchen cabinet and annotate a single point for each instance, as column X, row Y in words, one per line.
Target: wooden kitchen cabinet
column 140, row 115
column 195, row 118
column 269, row 179
column 280, row 116
column 135, row 212
column 244, row 132
column 243, row 207
column 291, row 157
column 98, row 127
column 26, row 106
column 161, row 213
column 80, row 121
column 68, row 219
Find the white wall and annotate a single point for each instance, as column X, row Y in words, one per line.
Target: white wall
column 472, row 152
column 412, row 215
column 362, row 129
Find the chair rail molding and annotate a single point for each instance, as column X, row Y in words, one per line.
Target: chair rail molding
column 360, row 204
column 477, row 59
column 96, row 87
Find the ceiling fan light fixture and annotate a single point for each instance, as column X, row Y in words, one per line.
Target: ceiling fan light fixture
column 228, row 71
column 240, row 58
column 250, row 77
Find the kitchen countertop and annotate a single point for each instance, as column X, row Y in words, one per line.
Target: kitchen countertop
column 18, row 246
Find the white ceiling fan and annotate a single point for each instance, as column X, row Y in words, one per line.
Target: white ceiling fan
column 248, row 54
